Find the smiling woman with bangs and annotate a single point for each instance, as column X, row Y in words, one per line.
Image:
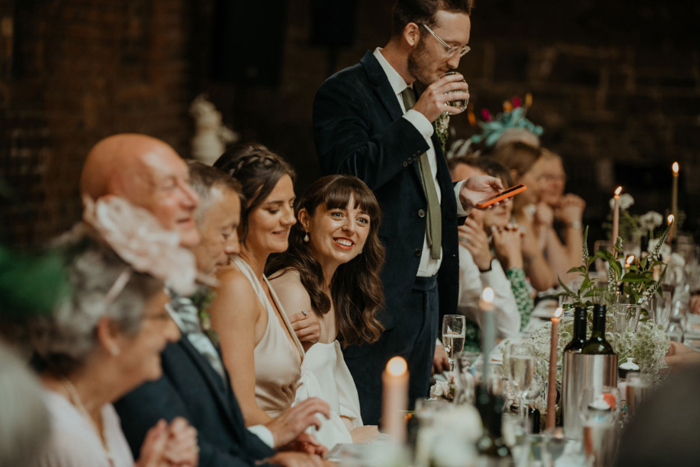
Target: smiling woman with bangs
column 328, row 283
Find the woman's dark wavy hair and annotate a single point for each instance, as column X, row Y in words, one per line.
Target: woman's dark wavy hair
column 356, row 289
column 258, row 170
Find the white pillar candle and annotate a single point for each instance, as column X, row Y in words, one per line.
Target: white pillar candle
column 395, row 399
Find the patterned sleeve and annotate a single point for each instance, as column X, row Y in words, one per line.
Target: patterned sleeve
column 516, row 276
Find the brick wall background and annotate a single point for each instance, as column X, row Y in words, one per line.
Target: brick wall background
column 616, row 85
column 73, row 72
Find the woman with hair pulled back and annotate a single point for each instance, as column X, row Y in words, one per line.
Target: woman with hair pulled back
column 259, row 347
column 330, row 273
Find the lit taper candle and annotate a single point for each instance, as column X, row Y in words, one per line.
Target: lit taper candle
column 616, row 217
column 552, row 385
column 488, row 333
column 674, row 197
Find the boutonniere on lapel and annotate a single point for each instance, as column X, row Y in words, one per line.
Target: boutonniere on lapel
column 201, row 300
column 442, row 128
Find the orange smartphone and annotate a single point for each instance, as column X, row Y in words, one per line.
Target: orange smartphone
column 505, row 194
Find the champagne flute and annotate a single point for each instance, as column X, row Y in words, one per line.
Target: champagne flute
column 453, row 335
column 522, row 373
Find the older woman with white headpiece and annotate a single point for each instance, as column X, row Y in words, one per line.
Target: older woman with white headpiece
column 106, row 338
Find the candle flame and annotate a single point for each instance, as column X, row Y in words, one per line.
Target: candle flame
column 630, row 259
column 396, row 366
column 558, row 313
column 675, row 168
column 618, row 191
column 488, row 295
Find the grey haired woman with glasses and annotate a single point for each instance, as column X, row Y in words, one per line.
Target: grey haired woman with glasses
column 103, row 340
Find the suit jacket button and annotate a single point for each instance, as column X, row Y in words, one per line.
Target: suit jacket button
column 421, row 213
column 405, row 164
column 417, row 252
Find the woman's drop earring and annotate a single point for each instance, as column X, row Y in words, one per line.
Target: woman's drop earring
column 306, row 237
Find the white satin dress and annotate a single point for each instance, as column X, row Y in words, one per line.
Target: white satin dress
column 325, row 375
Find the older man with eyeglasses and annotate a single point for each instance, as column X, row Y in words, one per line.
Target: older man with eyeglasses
column 371, row 121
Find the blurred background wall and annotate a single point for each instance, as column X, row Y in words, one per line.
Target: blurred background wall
column 616, row 86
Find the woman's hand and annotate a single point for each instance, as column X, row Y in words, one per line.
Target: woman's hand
column 170, row 445
column 306, row 327
column 365, row 434
column 181, row 448
column 295, row 459
column 153, row 446
column 507, row 243
column 570, row 209
column 544, row 215
column 473, row 238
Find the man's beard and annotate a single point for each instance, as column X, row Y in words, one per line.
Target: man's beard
column 418, row 61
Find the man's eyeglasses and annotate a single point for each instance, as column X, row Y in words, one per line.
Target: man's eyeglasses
column 449, row 50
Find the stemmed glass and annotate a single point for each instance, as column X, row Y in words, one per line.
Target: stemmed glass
column 599, row 409
column 522, row 373
column 453, row 335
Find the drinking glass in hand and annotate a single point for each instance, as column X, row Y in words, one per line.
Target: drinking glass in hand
column 522, row 373
column 453, row 335
column 460, row 104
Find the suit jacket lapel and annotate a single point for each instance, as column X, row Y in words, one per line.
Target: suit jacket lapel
column 212, row 378
column 382, row 87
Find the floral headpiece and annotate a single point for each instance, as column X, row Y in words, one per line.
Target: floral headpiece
column 139, row 239
column 510, row 125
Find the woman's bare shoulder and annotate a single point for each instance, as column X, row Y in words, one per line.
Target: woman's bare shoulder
column 291, row 291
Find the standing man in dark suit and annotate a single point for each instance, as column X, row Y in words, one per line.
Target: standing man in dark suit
column 370, row 121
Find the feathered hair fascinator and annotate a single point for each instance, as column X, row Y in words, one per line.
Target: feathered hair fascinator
column 508, row 126
column 138, row 238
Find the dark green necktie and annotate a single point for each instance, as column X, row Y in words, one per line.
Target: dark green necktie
column 434, row 230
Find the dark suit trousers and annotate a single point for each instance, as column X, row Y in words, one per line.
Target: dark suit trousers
column 413, row 338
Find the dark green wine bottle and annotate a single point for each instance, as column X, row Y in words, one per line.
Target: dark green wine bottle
column 597, row 345
column 579, row 339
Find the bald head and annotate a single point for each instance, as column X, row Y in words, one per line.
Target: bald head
column 147, row 172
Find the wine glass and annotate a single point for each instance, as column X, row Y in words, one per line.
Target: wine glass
column 460, row 104
column 453, row 335
column 533, row 393
column 599, row 409
column 522, row 373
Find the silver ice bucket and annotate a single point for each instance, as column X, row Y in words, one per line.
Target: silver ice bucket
column 579, row 372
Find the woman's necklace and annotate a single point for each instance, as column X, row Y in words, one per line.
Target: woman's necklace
column 74, row 398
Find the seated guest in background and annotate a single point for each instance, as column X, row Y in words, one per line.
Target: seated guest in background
column 195, row 384
column 567, row 210
column 331, row 269
column 106, row 339
column 148, row 173
column 506, row 238
column 258, row 343
column 524, row 163
column 479, row 269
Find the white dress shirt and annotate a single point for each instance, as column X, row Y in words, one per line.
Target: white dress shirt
column 428, row 266
column 471, row 285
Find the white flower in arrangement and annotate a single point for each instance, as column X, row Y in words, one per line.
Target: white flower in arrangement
column 650, row 220
column 442, row 389
column 626, row 201
column 665, row 248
